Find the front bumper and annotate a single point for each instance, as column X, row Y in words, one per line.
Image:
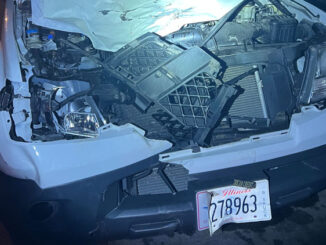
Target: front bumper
column 96, row 208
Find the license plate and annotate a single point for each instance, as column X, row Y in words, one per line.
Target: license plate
column 233, row 204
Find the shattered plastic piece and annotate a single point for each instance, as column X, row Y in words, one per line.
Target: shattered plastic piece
column 49, row 46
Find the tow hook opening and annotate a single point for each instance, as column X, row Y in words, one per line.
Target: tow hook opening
column 42, row 211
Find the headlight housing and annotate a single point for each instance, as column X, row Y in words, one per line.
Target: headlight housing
column 80, row 117
column 318, row 90
column 314, row 78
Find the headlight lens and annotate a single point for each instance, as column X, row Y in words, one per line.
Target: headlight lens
column 81, row 124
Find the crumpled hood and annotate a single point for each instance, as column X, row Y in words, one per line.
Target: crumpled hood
column 110, row 24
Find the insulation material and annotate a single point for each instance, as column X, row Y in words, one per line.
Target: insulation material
column 111, row 24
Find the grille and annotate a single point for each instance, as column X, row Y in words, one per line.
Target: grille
column 143, row 60
column 189, row 102
column 154, row 184
column 142, row 57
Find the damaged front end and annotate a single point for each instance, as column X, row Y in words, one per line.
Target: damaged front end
column 146, row 117
column 205, row 85
column 190, row 88
column 202, row 86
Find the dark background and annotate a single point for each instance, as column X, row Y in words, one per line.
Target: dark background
column 319, row 3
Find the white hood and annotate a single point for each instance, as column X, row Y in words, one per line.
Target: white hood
column 110, row 24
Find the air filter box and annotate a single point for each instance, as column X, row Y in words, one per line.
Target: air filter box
column 181, row 81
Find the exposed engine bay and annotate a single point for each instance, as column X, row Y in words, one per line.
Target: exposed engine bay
column 204, row 85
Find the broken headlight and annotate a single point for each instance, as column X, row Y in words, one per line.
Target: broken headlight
column 82, row 118
column 81, row 124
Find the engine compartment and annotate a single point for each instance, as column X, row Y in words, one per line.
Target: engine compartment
column 207, row 84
